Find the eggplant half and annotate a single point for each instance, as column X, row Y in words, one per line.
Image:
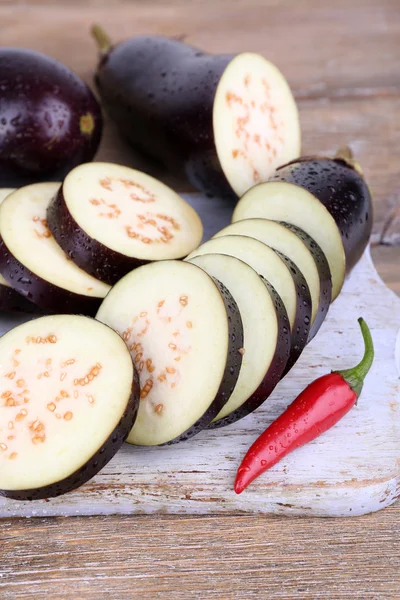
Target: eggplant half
column 32, row 262
column 281, row 273
column 110, row 219
column 308, row 257
column 266, row 329
column 339, row 185
column 50, row 120
column 69, row 397
column 185, row 334
column 289, row 203
column 224, row 121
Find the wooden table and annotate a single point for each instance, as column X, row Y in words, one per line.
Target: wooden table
column 342, row 60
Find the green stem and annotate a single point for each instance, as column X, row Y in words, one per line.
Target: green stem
column 102, row 40
column 355, row 376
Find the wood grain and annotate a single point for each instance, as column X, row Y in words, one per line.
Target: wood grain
column 342, row 59
column 223, row 558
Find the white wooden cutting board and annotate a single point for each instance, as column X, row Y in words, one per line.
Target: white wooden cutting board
column 352, row 469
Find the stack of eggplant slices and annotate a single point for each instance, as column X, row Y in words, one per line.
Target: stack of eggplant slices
column 158, row 337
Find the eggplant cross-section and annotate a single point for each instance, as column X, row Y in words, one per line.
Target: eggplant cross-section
column 266, row 334
column 110, row 219
column 32, row 262
column 69, row 395
column 185, row 334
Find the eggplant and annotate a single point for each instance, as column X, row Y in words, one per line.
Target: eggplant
column 339, row 185
column 185, row 333
column 289, row 203
column 110, row 219
column 70, row 396
column 302, row 250
column 10, row 300
column 266, row 328
column 50, row 120
column 32, row 262
column 281, row 273
column 224, row 121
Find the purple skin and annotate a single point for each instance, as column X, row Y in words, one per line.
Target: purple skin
column 44, row 294
column 50, row 120
column 341, row 188
column 12, row 301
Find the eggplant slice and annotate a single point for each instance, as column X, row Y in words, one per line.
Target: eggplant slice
column 184, row 332
column 340, row 187
column 224, row 121
column 324, row 273
column 111, row 219
column 68, row 400
column 266, row 328
column 32, row 262
column 255, row 121
column 290, row 203
column 302, row 250
column 10, row 300
column 280, row 272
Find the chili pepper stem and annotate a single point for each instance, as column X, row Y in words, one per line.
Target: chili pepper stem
column 355, row 376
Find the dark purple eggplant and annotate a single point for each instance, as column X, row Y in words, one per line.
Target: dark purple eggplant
column 339, row 185
column 225, row 122
column 50, row 120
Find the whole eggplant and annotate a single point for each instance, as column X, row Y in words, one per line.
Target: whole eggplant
column 50, row 120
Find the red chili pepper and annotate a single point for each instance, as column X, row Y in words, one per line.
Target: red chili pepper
column 320, row 406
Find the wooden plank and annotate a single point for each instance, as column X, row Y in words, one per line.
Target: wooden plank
column 339, row 474
column 222, row 558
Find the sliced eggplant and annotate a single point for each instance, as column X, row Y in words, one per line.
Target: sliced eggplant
column 225, row 121
column 69, row 397
column 324, row 273
column 266, row 328
column 339, row 185
column 281, row 273
column 185, row 334
column 4, row 192
column 32, row 262
column 290, row 203
column 302, row 250
column 111, row 219
column 10, row 300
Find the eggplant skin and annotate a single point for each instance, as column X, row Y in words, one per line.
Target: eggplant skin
column 12, row 301
column 301, row 327
column 275, row 371
column 325, row 278
column 343, row 191
column 160, row 93
column 90, row 255
column 99, row 459
column 41, row 292
column 50, row 120
column 232, row 367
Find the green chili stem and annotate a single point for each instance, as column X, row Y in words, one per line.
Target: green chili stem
column 355, row 376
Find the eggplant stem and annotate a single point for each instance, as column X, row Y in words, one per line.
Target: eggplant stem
column 102, row 40
column 345, row 154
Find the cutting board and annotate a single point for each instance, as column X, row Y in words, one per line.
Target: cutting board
column 351, row 470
